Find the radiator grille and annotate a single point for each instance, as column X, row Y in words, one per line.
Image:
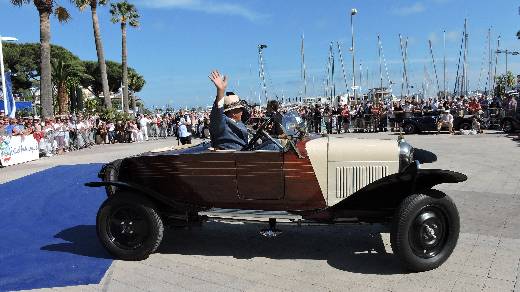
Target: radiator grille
column 353, row 178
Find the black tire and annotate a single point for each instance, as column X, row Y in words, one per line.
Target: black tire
column 425, row 230
column 507, row 126
column 129, row 227
column 111, row 174
column 465, row 126
column 409, row 128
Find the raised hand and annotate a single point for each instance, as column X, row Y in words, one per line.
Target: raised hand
column 219, row 80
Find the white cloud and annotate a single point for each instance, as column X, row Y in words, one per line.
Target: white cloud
column 206, row 6
column 433, row 37
column 415, row 8
column 453, row 36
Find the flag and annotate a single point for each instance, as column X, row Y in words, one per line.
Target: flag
column 11, row 105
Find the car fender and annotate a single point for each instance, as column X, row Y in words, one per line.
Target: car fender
column 147, row 192
column 387, row 193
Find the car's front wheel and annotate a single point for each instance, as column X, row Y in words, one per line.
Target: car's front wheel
column 410, row 128
column 129, row 227
column 507, row 126
column 425, row 230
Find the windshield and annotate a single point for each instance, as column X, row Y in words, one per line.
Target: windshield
column 292, row 123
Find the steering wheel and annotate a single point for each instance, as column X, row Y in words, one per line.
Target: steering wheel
column 259, row 133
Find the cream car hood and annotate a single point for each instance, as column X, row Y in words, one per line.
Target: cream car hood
column 343, row 165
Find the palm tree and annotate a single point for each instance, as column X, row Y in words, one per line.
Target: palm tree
column 82, row 4
column 45, row 9
column 124, row 13
column 63, row 73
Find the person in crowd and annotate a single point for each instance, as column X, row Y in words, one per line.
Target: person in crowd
column 184, row 134
column 273, row 110
column 317, row 119
column 226, row 127
column 345, row 114
column 143, row 122
column 446, row 119
column 3, row 132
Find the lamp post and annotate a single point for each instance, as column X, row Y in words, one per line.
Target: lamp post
column 352, row 13
column 2, row 70
column 507, row 52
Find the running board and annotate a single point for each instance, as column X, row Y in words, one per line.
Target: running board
column 250, row 215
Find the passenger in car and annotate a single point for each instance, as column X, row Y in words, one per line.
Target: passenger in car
column 226, row 127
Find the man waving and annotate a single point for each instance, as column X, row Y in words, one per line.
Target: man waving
column 226, row 128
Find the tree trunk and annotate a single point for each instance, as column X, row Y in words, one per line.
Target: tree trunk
column 125, row 68
column 45, row 65
column 132, row 96
column 63, row 99
column 100, row 55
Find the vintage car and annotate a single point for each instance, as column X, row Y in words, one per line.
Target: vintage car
column 511, row 123
column 428, row 123
column 310, row 179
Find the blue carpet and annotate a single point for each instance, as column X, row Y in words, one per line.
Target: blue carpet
column 47, row 230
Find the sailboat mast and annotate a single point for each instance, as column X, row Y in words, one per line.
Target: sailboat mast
column 380, row 69
column 262, row 70
column 434, row 66
column 304, row 69
column 444, row 63
column 496, row 65
column 404, row 66
column 343, row 66
column 464, row 87
column 490, row 64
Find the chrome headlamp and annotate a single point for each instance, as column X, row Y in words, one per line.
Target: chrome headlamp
column 405, row 154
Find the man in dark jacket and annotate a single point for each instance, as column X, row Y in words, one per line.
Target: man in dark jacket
column 226, row 127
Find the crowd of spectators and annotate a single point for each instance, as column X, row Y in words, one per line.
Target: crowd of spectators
column 62, row 134
column 372, row 116
column 73, row 132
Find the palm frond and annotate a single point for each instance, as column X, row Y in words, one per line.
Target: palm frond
column 62, row 14
column 81, row 4
column 124, row 12
column 20, row 2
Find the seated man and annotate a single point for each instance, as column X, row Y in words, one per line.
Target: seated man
column 226, row 127
column 446, row 119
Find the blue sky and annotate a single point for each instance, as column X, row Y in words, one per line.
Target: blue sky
column 180, row 41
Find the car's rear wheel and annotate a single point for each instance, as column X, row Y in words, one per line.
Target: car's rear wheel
column 465, row 126
column 425, row 230
column 507, row 126
column 129, row 227
column 409, row 128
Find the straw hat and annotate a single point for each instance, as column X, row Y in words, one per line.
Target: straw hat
column 232, row 101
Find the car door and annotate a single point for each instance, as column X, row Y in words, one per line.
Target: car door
column 260, row 175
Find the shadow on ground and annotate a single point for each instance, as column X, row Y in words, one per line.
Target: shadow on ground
column 358, row 249
column 81, row 240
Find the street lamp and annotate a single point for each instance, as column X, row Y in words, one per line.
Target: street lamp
column 507, row 52
column 2, row 70
column 352, row 13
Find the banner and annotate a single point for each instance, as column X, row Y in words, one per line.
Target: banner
column 18, row 149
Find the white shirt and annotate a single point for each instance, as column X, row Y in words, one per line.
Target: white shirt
column 143, row 122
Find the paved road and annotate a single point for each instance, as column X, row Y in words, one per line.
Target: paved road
column 225, row 257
